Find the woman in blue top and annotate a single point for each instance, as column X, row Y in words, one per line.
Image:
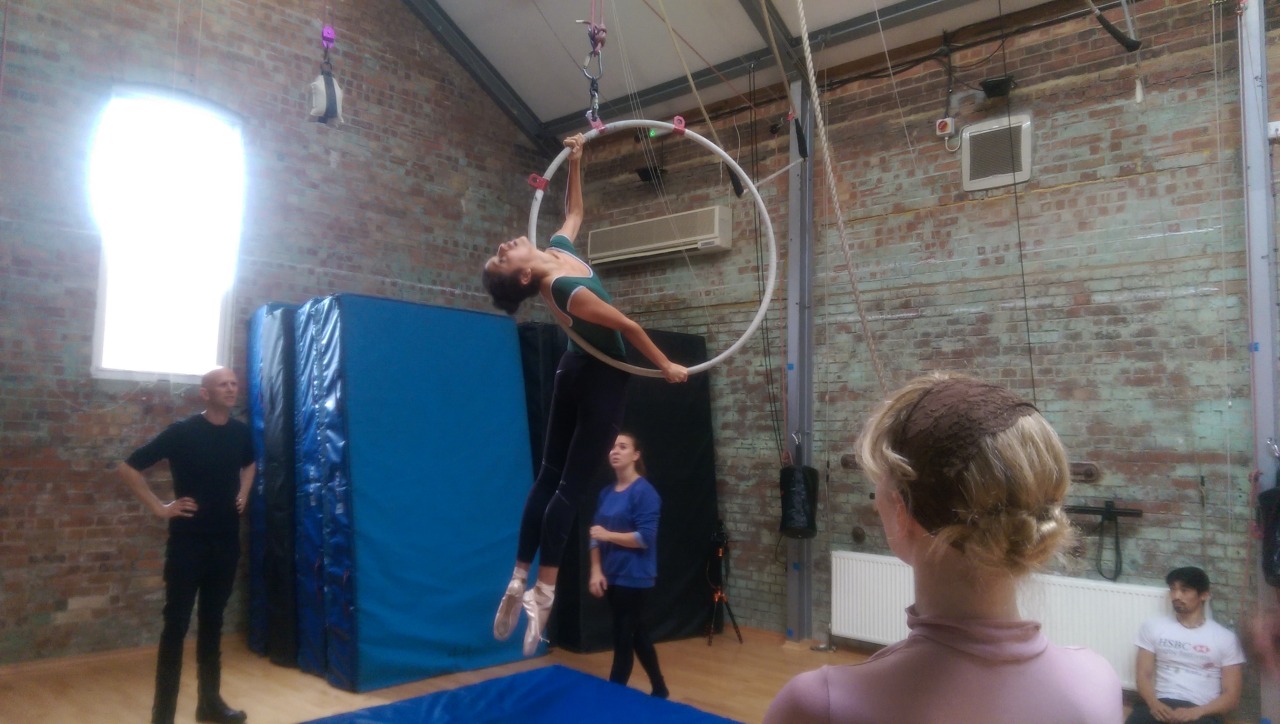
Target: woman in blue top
column 587, row 398
column 624, row 560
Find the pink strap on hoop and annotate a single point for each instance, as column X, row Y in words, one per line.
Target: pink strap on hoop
column 538, row 182
column 678, row 122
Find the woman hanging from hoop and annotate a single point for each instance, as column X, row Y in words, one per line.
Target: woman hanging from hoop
column 586, row 402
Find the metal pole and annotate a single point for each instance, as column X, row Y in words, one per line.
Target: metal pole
column 1259, row 232
column 1260, row 245
column 800, row 361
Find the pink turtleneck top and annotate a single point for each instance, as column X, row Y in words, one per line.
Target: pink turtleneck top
column 957, row 670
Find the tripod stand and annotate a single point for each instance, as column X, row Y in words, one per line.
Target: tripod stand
column 718, row 597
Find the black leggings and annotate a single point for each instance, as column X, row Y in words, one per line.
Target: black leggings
column 587, row 402
column 631, row 635
column 195, row 567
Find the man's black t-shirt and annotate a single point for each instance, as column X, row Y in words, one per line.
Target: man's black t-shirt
column 205, row 461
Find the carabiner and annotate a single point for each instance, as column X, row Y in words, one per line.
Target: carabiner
column 586, row 66
column 593, row 113
column 596, row 34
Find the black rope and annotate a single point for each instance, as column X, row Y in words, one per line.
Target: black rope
column 1118, row 567
column 766, row 341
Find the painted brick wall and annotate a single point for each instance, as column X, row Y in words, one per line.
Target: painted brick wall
column 1110, row 288
column 403, row 201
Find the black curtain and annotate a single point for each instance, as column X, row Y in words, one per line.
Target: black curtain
column 673, row 423
column 278, row 380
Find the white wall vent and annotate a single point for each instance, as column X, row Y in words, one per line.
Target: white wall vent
column 694, row 232
column 996, row 153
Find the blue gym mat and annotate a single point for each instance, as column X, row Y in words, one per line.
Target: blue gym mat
column 412, row 469
column 552, row 694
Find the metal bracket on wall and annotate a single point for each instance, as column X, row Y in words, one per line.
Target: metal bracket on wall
column 1085, row 473
column 1108, row 511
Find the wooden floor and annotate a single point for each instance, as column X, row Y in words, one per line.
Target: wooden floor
column 727, row 678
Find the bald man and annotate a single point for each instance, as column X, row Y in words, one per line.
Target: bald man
column 211, row 461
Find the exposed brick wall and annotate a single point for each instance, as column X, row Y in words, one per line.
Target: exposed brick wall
column 403, row 201
column 1111, row 287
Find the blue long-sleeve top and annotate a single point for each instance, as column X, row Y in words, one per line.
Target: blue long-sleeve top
column 633, row 510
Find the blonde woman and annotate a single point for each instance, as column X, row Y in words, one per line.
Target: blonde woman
column 969, row 484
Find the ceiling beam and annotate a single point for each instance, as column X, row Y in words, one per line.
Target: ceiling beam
column 456, row 42
column 768, row 21
column 546, row 135
column 892, row 16
column 729, row 70
column 833, row 35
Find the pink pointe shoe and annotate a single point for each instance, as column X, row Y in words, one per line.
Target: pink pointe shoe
column 508, row 610
column 537, row 607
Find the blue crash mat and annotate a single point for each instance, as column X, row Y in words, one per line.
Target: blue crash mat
column 553, row 694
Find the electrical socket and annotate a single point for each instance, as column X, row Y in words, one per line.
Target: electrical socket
column 945, row 127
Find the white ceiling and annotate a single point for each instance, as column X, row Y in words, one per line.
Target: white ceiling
column 536, row 47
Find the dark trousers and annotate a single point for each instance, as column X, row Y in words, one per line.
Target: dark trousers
column 203, row 568
column 631, row 636
column 1142, row 713
column 587, row 402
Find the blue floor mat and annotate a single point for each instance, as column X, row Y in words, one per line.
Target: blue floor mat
column 553, row 694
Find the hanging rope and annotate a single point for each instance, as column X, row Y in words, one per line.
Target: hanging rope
column 733, row 178
column 1017, row 216
column 893, row 82
column 835, row 200
column 710, row 66
column 777, row 56
column 766, row 347
column 4, row 47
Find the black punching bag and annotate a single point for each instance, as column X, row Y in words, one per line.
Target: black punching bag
column 799, row 485
column 1269, row 522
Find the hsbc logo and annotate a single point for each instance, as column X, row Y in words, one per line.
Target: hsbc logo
column 1173, row 645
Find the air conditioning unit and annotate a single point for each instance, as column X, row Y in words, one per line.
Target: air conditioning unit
column 694, row 232
column 996, row 153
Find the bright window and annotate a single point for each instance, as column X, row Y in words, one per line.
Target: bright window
column 166, row 184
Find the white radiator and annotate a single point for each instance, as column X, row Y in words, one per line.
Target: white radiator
column 869, row 595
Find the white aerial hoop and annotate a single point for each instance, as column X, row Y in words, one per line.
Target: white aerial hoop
column 540, row 184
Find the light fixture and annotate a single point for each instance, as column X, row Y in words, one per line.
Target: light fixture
column 651, row 175
column 997, row 87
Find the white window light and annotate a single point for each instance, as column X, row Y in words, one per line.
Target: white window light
column 166, row 186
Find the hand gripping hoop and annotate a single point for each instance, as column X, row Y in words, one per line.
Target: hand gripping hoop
column 755, row 193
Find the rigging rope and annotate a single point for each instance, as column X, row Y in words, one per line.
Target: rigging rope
column 653, row 161
column 777, row 56
column 715, row 137
column 893, row 83
column 835, row 200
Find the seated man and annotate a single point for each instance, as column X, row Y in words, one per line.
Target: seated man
column 1189, row 667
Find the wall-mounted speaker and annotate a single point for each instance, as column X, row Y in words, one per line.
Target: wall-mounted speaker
column 996, row 153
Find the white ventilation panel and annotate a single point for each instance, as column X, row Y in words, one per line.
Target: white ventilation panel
column 996, row 153
column 697, row 231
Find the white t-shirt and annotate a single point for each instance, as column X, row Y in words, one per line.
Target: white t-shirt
column 1189, row 661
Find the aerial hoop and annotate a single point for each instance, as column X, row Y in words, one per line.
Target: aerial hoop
column 540, row 185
